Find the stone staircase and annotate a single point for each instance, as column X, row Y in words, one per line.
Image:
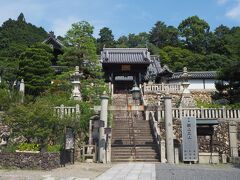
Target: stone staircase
column 132, row 138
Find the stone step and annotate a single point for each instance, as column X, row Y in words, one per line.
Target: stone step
column 130, row 135
column 134, row 160
column 128, row 153
column 127, row 142
column 136, row 136
column 136, row 129
column 136, row 157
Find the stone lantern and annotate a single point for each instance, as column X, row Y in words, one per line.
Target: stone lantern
column 76, row 93
column 185, row 83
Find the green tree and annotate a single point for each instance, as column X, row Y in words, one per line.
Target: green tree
column 140, row 40
column 233, row 43
column 122, row 42
column 106, row 39
column 217, row 42
column 15, row 36
column 229, row 77
column 162, row 35
column 80, row 45
column 177, row 58
column 35, row 68
column 194, row 32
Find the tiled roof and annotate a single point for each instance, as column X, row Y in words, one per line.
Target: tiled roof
column 125, row 56
column 51, row 39
column 196, row 75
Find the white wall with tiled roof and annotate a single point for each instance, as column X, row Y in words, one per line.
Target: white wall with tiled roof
column 198, row 84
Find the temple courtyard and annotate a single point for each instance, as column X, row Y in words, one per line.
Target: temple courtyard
column 125, row 171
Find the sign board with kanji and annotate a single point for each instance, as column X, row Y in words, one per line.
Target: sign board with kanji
column 69, row 139
column 107, row 130
column 98, row 123
column 189, row 139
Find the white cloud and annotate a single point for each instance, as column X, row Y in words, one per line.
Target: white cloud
column 234, row 13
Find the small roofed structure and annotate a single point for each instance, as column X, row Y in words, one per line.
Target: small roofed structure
column 56, row 45
column 124, row 66
column 198, row 79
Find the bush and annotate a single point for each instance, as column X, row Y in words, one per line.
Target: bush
column 10, row 148
column 218, row 105
column 28, row 147
column 54, row 148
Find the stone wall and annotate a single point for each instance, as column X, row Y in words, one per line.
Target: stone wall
column 203, row 96
column 220, row 140
column 153, row 99
column 220, row 137
column 45, row 161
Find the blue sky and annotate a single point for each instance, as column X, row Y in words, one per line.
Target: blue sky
column 122, row 16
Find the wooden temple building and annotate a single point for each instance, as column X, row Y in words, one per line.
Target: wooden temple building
column 56, row 46
column 123, row 67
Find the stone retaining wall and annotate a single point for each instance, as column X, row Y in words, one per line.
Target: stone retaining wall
column 220, row 137
column 202, row 96
column 45, row 161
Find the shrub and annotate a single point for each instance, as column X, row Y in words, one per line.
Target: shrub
column 10, row 148
column 28, row 147
column 54, row 148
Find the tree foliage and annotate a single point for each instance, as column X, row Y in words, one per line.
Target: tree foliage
column 35, row 69
column 80, row 46
column 106, row 39
column 229, row 77
column 162, row 35
column 16, row 35
column 194, row 32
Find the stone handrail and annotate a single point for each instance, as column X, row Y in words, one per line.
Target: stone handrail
column 65, row 110
column 155, row 128
column 162, row 88
column 142, row 96
column 203, row 113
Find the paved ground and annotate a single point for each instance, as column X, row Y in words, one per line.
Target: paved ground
column 127, row 171
column 78, row 171
column 196, row 172
column 141, row 171
column 150, row 171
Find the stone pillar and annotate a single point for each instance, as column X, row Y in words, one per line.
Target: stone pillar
column 169, row 129
column 163, row 151
column 233, row 139
column 176, row 155
column 90, row 139
column 109, row 157
column 22, row 90
column 147, row 115
column 102, row 136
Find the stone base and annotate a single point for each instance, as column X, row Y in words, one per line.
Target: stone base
column 207, row 158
